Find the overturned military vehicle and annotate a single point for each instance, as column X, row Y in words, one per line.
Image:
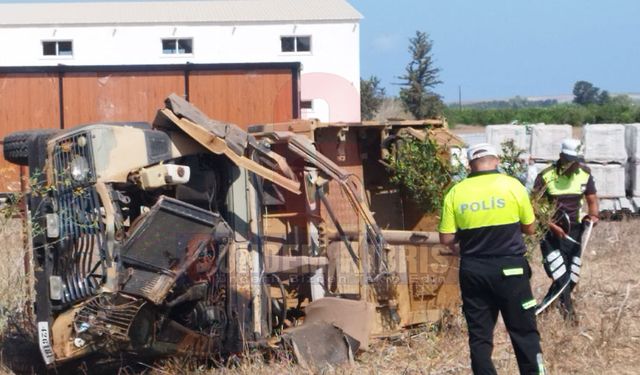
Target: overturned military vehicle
column 193, row 237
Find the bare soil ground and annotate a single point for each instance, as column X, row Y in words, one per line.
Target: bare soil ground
column 606, row 340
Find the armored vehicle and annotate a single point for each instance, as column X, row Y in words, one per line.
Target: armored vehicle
column 190, row 236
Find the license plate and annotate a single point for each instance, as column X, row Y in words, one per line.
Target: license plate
column 45, row 343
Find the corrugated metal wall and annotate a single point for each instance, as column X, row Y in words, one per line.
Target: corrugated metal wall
column 243, row 97
column 93, row 97
column 27, row 101
column 64, row 97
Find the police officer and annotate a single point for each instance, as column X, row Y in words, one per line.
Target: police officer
column 566, row 183
column 483, row 218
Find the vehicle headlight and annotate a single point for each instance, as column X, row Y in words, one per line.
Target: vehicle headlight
column 79, row 168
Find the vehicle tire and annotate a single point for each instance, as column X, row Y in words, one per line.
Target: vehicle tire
column 17, row 145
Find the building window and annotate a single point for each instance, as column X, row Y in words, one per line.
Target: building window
column 295, row 43
column 57, row 48
column 177, row 46
column 306, row 104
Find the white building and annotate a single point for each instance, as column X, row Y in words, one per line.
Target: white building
column 323, row 35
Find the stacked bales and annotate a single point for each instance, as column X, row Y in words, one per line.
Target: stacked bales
column 611, row 151
column 610, row 180
column 604, row 144
column 546, row 141
column 606, row 154
column 498, row 134
column 633, row 166
column 540, row 166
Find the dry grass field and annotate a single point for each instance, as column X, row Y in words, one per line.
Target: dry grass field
column 13, row 286
column 606, row 340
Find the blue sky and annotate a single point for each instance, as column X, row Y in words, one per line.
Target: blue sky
column 495, row 49
column 503, row 48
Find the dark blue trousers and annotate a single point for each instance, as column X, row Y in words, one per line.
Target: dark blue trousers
column 500, row 284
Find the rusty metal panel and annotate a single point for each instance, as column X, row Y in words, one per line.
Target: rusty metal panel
column 432, row 278
column 244, row 97
column 320, row 345
column 355, row 318
column 117, row 96
column 387, row 208
column 415, row 218
column 285, row 220
column 344, row 275
column 343, row 149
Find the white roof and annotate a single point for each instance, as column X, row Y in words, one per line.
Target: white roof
column 174, row 12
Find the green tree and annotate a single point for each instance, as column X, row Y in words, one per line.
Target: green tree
column 511, row 160
column 604, row 97
column 371, row 97
column 585, row 93
column 420, row 77
column 423, row 169
column 619, row 109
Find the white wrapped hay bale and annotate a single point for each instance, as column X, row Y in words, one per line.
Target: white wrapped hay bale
column 497, row 134
column 459, row 156
column 542, row 166
column 473, row 138
column 546, row 140
column 633, row 178
column 533, row 170
column 538, row 168
column 632, row 137
column 604, row 143
column 610, row 179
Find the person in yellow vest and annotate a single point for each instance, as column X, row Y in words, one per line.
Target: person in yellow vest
column 567, row 183
column 483, row 218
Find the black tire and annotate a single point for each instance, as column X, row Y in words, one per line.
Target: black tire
column 17, row 146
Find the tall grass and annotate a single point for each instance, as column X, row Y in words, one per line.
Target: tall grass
column 605, row 341
column 14, row 286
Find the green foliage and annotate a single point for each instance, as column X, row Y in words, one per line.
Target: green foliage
column 371, row 97
column 511, row 162
column 604, row 97
column 618, row 109
column 585, row 93
column 544, row 210
column 423, row 169
column 515, row 103
column 16, row 202
column 420, row 77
